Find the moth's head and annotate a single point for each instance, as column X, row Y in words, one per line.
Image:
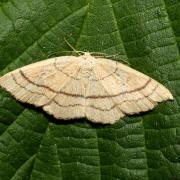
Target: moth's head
column 87, row 54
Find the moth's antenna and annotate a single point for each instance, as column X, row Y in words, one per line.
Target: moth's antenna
column 71, row 47
column 58, row 53
column 109, row 56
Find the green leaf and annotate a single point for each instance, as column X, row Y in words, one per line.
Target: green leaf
column 146, row 33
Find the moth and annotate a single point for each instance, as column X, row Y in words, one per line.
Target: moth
column 100, row 89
